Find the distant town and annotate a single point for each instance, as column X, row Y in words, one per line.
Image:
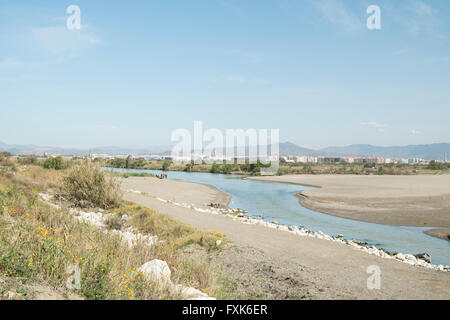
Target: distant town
column 286, row 159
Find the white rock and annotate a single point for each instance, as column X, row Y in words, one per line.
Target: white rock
column 94, row 218
column 188, row 293
column 156, row 271
column 400, row 256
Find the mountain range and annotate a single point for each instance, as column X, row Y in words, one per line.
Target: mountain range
column 426, row 151
column 433, row 151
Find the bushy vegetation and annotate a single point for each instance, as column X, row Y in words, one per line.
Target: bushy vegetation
column 126, row 175
column 89, row 186
column 29, row 160
column 56, row 163
column 166, row 165
column 357, row 168
column 6, row 161
column 437, row 166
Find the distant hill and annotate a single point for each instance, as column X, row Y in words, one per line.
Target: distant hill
column 426, row 151
column 289, row 148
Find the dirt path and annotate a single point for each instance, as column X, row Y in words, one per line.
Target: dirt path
column 327, row 270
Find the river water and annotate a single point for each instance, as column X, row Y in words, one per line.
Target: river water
column 276, row 201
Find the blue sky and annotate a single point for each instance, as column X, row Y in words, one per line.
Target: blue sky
column 137, row 70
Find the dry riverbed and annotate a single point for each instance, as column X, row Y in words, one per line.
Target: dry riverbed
column 265, row 263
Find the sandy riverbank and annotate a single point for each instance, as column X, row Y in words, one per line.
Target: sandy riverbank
column 421, row 201
column 276, row 261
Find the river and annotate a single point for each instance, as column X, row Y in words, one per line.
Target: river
column 276, row 201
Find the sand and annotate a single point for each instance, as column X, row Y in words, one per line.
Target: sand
column 443, row 234
column 330, row 270
column 421, row 201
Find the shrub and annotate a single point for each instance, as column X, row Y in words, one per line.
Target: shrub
column 89, row 186
column 215, row 168
column 56, row 163
column 28, row 160
column 437, row 166
column 166, row 165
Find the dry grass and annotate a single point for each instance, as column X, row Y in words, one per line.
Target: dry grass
column 176, row 237
column 39, row 242
column 39, row 177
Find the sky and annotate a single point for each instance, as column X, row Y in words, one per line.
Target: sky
column 138, row 70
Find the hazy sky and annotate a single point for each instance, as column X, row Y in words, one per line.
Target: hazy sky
column 137, row 70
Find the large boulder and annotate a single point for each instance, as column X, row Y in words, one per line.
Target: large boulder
column 156, row 271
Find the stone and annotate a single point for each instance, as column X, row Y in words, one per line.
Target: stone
column 400, row 256
column 411, row 258
column 126, row 218
column 188, row 293
column 156, row 271
column 423, row 256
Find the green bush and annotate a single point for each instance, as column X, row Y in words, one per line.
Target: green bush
column 89, row 186
column 215, row 168
column 56, row 163
column 437, row 166
column 166, row 165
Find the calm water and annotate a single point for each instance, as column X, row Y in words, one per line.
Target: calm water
column 276, row 201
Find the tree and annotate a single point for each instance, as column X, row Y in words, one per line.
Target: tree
column 215, row 168
column 227, row 168
column 190, row 166
column 166, row 165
